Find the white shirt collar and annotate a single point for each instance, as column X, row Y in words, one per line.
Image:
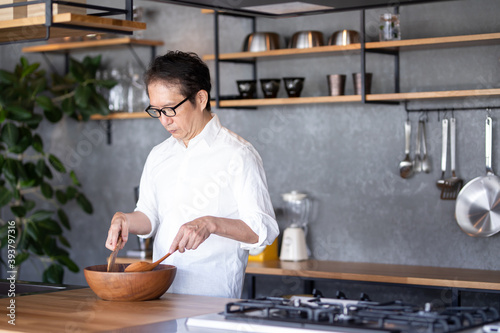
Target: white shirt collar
column 208, row 134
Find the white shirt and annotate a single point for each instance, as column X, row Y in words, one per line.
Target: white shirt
column 218, row 174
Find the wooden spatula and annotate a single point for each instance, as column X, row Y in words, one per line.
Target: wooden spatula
column 143, row 266
column 111, row 260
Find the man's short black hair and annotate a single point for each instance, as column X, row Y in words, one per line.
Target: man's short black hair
column 184, row 69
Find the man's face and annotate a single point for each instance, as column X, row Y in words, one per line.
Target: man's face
column 188, row 121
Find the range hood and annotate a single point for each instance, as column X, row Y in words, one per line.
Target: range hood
column 282, row 8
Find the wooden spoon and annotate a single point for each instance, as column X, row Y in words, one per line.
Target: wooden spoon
column 143, row 266
column 112, row 257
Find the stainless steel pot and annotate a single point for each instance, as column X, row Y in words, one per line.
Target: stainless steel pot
column 478, row 206
column 344, row 37
column 306, row 39
column 261, row 41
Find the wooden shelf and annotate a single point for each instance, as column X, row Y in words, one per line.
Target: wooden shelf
column 409, row 43
column 120, row 115
column 437, row 41
column 59, row 47
column 357, row 98
column 433, row 95
column 34, row 27
column 284, row 52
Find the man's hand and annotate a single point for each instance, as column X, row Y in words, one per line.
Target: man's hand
column 118, row 223
column 192, row 234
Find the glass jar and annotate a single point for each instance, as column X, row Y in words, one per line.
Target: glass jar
column 389, row 27
column 118, row 94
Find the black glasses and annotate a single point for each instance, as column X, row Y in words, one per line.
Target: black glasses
column 167, row 111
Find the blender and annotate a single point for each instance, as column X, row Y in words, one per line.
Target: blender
column 296, row 212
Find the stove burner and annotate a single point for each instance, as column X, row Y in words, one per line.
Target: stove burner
column 360, row 314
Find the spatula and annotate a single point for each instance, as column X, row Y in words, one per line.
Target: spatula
column 452, row 185
column 112, row 258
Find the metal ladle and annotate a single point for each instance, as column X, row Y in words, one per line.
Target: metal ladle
column 406, row 165
column 426, row 162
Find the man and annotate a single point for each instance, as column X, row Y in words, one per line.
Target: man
column 202, row 189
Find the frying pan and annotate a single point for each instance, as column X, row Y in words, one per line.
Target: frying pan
column 478, row 204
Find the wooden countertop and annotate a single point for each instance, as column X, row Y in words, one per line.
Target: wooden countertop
column 384, row 273
column 371, row 272
column 81, row 310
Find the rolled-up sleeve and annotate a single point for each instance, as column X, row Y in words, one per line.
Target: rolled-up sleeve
column 252, row 195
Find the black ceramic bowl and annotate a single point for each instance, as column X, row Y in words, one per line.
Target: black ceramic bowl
column 247, row 88
column 293, row 86
column 270, row 87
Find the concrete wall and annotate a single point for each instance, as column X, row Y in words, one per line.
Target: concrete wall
column 344, row 155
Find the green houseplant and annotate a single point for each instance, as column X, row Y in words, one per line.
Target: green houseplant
column 32, row 199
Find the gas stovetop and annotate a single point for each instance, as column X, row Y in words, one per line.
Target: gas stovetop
column 318, row 314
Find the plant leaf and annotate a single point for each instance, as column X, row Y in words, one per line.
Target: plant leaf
column 29, row 69
column 64, row 241
column 63, row 218
column 43, row 170
column 46, row 190
column 21, row 256
column 44, row 102
column 71, row 192
column 82, row 96
column 75, row 180
column 61, row 197
column 7, row 77
column 66, row 261
column 34, row 121
column 53, row 274
column 53, row 115
column 5, row 196
column 10, row 171
column 51, row 226
column 10, row 134
column 41, row 215
column 24, row 142
column 77, row 70
column 37, row 143
column 83, row 202
column 19, row 113
column 18, row 211
column 29, row 205
column 57, row 164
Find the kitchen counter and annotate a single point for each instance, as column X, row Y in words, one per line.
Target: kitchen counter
column 456, row 280
column 462, row 278
column 385, row 273
column 82, row 311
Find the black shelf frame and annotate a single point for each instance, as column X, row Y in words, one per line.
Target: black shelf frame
column 218, row 62
column 363, row 56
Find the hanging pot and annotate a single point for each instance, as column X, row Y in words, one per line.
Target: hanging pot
column 478, row 204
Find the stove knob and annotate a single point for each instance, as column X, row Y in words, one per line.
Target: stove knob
column 296, row 302
column 317, row 293
column 340, row 295
column 428, row 307
column 364, row 297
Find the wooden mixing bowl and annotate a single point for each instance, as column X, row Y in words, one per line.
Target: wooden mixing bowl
column 135, row 286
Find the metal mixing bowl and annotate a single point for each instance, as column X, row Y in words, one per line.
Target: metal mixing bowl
column 261, row 41
column 344, row 37
column 306, row 39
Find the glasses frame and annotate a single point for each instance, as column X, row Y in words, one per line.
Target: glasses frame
column 162, row 110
